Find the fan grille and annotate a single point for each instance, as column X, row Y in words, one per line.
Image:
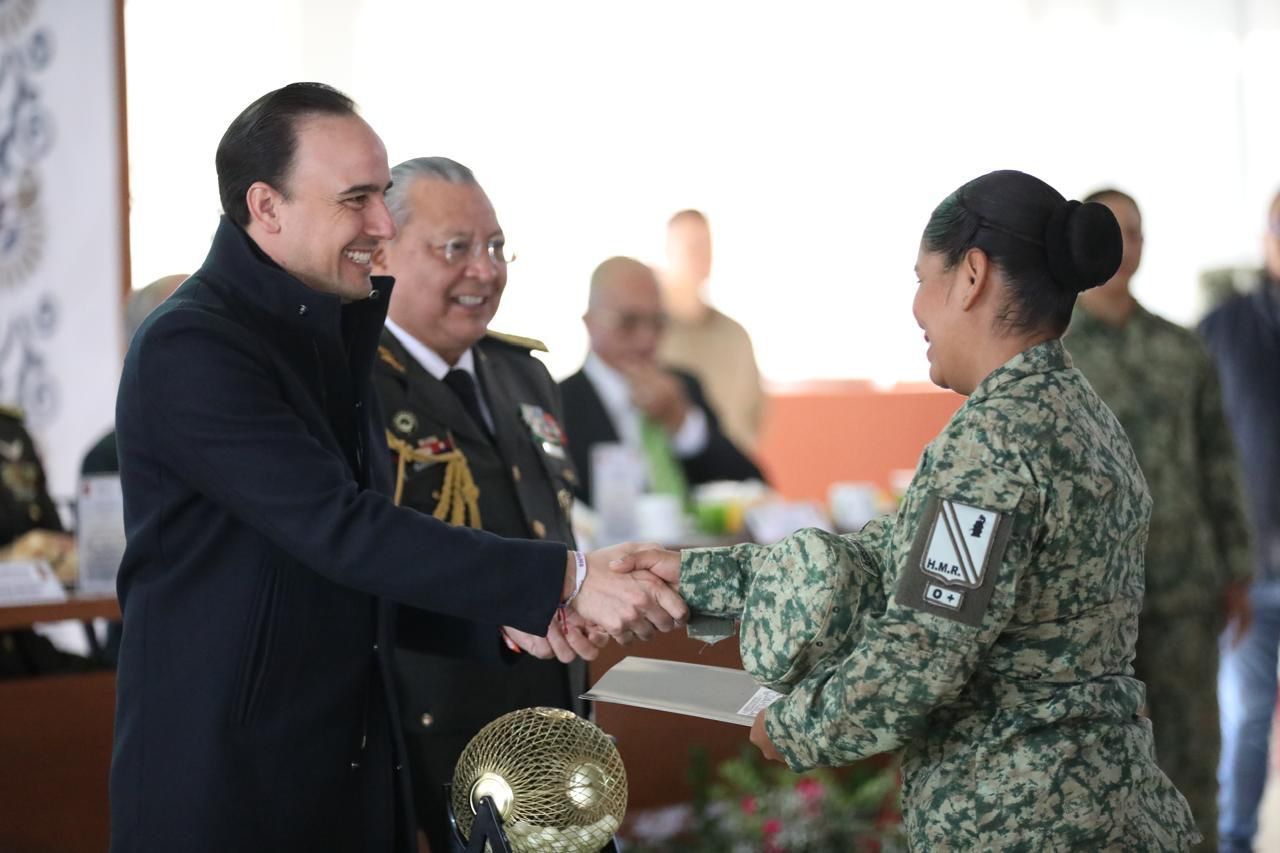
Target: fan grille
column 568, row 785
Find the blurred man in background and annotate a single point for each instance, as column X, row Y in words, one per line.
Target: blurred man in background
column 702, row 340
column 1243, row 334
column 624, row 393
column 1161, row 383
column 102, row 457
column 30, row 529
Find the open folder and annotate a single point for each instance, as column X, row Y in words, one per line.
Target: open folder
column 693, row 689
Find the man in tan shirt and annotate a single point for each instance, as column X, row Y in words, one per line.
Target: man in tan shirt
column 702, row 340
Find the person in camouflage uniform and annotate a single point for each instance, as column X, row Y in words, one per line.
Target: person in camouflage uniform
column 997, row 650
column 1161, row 383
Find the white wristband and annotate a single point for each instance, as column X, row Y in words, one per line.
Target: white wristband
column 580, row 574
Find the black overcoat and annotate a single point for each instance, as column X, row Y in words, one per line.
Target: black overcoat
column 254, row 708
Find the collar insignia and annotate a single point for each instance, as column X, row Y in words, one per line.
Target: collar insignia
column 404, row 421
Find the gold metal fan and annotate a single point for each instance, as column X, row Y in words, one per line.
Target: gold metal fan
column 556, row 780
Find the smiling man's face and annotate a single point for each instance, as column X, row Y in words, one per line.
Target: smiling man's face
column 331, row 213
column 446, row 306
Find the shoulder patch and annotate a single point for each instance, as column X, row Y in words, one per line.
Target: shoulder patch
column 517, row 341
column 11, row 412
column 954, row 560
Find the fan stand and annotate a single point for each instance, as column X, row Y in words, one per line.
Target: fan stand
column 487, row 827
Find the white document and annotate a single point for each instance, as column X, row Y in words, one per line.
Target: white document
column 693, row 689
column 29, row 582
column 100, row 532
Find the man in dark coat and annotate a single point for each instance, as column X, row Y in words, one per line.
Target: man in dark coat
column 255, row 707
column 622, row 394
column 500, row 432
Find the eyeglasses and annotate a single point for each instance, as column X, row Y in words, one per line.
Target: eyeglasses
column 460, row 249
column 629, row 322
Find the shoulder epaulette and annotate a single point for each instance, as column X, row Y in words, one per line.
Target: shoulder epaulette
column 11, row 412
column 517, row 341
column 389, row 357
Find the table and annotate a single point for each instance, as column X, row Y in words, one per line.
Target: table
column 55, row 745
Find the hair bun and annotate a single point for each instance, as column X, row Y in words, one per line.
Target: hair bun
column 1083, row 244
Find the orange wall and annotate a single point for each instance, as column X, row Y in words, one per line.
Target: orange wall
column 817, row 434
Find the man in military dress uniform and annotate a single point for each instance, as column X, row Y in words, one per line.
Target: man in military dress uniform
column 24, row 502
column 29, row 529
column 473, row 427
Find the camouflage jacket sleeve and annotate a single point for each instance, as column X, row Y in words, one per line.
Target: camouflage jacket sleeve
column 1220, row 486
column 717, row 580
column 877, row 537
column 948, row 605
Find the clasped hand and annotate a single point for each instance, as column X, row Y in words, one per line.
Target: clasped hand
column 629, row 594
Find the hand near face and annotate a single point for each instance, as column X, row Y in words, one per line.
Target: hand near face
column 626, row 605
column 659, row 394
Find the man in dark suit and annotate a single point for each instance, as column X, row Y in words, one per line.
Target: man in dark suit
column 622, row 394
column 255, row 703
column 498, row 431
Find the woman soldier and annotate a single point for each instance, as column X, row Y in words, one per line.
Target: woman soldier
column 999, row 617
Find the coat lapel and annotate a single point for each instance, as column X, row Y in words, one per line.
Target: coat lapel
column 442, row 406
column 502, row 401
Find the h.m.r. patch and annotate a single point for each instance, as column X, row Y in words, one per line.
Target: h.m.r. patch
column 954, row 559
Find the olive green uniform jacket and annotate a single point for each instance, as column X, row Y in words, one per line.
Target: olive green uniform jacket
column 1161, row 382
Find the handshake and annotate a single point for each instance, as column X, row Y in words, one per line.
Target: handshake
column 629, row 593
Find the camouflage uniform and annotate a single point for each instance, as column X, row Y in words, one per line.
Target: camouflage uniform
column 998, row 650
column 1161, row 383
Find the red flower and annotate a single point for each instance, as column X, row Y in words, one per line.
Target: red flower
column 748, row 805
column 772, row 827
column 809, row 789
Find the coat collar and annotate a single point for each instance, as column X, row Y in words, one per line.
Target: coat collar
column 236, row 262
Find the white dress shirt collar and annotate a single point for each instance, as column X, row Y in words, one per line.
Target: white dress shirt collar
column 432, row 362
column 429, row 358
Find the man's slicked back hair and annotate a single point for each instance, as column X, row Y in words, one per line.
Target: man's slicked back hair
column 259, row 145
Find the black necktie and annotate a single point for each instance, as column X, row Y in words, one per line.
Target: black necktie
column 464, row 387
